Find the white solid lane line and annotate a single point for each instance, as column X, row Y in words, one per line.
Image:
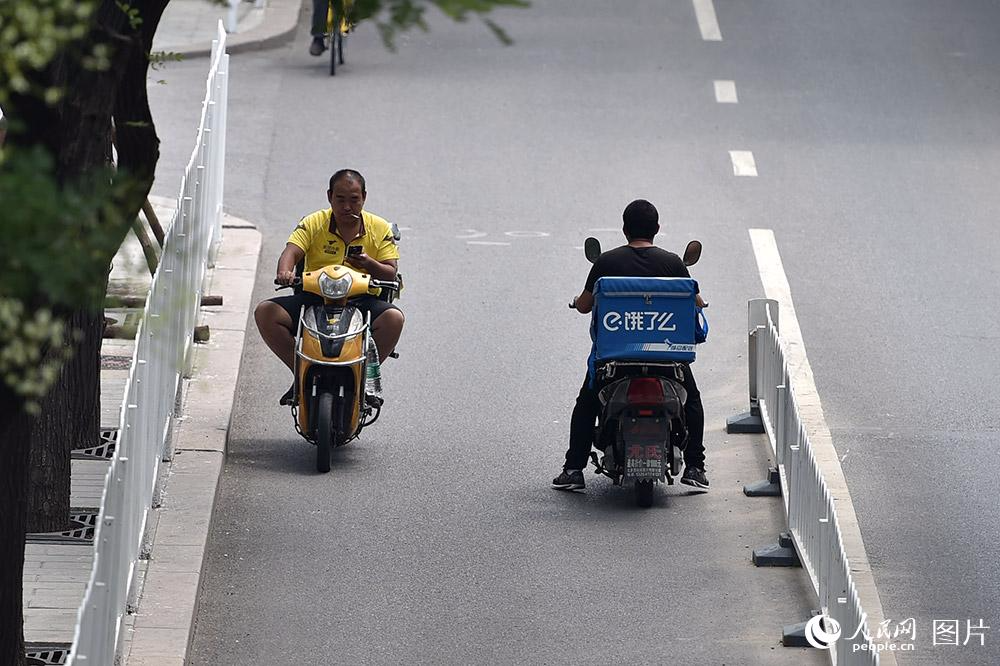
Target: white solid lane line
column 772, row 276
column 704, row 10
column 725, row 92
column 743, row 163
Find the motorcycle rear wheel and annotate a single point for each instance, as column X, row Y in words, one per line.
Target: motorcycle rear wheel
column 324, row 431
column 644, row 493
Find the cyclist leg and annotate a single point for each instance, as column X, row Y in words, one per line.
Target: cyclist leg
column 320, row 8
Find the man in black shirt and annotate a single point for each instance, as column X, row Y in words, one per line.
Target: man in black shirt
column 640, row 258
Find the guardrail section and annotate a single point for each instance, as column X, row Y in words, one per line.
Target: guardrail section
column 810, row 509
column 160, row 361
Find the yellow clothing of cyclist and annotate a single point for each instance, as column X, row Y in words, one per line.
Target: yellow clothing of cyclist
column 317, row 236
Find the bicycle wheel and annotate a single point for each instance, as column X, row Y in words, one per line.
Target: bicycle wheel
column 335, row 47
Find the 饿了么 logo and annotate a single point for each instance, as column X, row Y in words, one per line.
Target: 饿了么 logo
column 639, row 321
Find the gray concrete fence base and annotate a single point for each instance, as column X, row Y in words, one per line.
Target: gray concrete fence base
column 769, row 487
column 747, row 423
column 794, row 635
column 781, row 554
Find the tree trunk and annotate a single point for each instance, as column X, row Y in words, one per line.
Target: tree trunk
column 71, row 412
column 77, row 133
column 15, row 426
column 70, row 419
column 135, row 134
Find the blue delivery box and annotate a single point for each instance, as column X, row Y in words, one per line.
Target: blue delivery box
column 644, row 319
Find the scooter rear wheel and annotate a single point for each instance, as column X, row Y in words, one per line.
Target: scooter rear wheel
column 644, row 493
column 324, row 431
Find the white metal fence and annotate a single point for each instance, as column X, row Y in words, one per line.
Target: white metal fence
column 162, row 349
column 809, row 505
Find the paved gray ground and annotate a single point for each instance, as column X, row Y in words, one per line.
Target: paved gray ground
column 437, row 537
column 186, row 22
column 873, row 129
column 874, row 126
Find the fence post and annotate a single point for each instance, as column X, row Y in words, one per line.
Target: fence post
column 750, row 422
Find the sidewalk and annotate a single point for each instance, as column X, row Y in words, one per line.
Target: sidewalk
column 188, row 27
column 157, row 633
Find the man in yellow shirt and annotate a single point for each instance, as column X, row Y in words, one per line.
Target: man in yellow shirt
column 323, row 238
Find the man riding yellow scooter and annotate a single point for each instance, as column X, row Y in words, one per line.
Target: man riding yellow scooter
column 344, row 234
column 340, row 325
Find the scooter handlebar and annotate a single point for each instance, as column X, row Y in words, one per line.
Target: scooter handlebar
column 295, row 283
column 392, row 285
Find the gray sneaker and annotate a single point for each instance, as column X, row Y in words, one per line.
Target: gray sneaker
column 317, row 47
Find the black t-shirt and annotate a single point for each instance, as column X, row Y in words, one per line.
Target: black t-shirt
column 626, row 261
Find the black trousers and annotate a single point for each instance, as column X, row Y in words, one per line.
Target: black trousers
column 319, row 17
column 581, row 426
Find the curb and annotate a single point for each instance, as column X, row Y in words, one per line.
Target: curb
column 812, row 416
column 166, row 609
column 281, row 19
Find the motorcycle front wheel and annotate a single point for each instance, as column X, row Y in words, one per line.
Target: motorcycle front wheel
column 324, row 431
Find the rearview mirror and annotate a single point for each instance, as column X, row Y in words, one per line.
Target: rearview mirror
column 592, row 249
column 395, row 232
column 692, row 253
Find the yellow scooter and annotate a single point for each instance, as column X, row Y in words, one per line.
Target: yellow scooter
column 333, row 350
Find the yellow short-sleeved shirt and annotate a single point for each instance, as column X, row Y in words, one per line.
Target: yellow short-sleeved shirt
column 318, row 238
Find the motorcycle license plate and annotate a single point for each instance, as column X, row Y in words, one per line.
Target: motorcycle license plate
column 645, row 453
column 644, row 461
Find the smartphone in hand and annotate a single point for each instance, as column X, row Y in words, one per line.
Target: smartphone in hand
column 354, row 250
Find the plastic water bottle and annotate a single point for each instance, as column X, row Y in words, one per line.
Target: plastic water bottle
column 373, row 374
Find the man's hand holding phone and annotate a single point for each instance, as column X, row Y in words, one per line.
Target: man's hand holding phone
column 357, row 258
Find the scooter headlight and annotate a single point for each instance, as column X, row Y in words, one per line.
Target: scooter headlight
column 335, row 287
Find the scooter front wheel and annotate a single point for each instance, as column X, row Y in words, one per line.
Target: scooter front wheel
column 324, row 431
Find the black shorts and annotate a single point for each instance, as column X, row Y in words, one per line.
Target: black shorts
column 293, row 303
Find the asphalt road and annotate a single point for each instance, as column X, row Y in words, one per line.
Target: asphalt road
column 436, row 539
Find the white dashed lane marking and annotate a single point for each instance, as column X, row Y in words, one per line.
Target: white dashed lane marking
column 486, row 243
column 527, row 234
column 704, row 10
column 743, row 163
column 725, row 92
